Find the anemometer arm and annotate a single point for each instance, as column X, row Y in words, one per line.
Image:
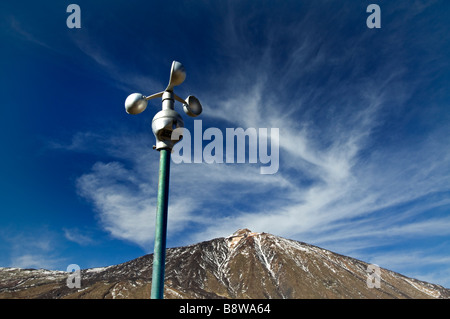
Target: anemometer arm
column 153, row 96
column 159, row 94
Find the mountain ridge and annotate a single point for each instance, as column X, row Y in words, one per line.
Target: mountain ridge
column 244, row 265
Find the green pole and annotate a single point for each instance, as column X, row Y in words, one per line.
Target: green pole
column 159, row 253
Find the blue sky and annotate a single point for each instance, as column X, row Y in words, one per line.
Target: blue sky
column 363, row 117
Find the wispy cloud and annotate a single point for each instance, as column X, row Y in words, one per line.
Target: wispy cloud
column 123, row 192
column 17, row 27
column 77, row 236
column 31, row 249
column 121, row 74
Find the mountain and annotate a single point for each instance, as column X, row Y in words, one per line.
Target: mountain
column 243, row 265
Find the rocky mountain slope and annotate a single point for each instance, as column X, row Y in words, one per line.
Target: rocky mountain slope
column 243, row 265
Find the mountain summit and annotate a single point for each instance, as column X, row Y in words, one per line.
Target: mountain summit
column 245, row 264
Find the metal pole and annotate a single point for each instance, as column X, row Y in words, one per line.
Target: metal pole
column 163, row 124
column 159, row 253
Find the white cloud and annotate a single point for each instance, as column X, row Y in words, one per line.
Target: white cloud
column 125, row 211
column 34, row 261
column 77, row 236
column 31, row 249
